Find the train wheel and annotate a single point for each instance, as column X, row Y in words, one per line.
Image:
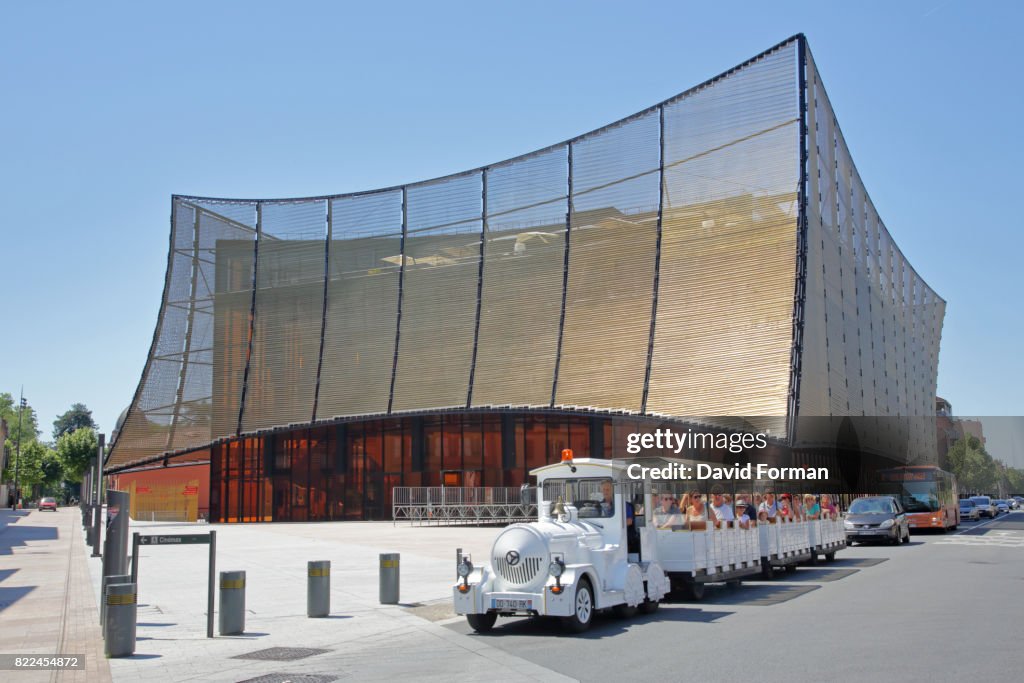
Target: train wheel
column 583, row 608
column 649, row 606
column 624, row 611
column 694, row 591
column 482, row 623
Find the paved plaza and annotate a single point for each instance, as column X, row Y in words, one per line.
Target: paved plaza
column 843, row 614
column 361, row 640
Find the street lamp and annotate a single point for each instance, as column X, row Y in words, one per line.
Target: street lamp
column 17, row 454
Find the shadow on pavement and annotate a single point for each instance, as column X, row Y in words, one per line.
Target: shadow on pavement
column 9, row 596
column 6, row 573
column 756, row 594
column 605, row 625
column 857, row 561
column 18, row 535
column 816, row 574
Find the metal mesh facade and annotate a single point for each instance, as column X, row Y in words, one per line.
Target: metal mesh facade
column 871, row 325
column 714, row 255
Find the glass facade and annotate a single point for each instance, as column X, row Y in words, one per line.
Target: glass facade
column 348, row 471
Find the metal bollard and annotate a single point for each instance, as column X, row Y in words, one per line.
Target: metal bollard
column 389, row 578
column 318, row 590
column 119, row 627
column 232, row 603
column 106, row 581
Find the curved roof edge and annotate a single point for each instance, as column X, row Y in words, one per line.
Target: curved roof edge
column 391, row 188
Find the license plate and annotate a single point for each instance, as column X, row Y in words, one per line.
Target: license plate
column 502, row 603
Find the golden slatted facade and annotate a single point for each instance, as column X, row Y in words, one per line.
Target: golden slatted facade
column 715, row 255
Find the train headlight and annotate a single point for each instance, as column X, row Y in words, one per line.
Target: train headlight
column 556, row 568
column 465, row 568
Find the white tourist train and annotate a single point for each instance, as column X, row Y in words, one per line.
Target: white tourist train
column 605, row 541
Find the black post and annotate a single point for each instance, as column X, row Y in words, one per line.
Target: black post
column 135, row 559
column 17, row 453
column 98, row 515
column 211, row 585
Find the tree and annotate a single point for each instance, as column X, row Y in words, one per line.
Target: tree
column 1015, row 480
column 76, row 451
column 29, row 424
column 30, row 466
column 76, row 417
column 973, row 466
column 28, row 434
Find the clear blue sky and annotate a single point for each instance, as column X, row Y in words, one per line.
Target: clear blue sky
column 109, row 108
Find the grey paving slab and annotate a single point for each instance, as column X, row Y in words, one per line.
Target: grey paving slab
column 362, row 640
column 47, row 604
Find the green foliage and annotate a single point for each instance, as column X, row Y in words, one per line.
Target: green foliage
column 76, row 451
column 972, row 465
column 77, row 417
column 31, row 466
column 29, row 423
column 1015, row 481
column 979, row 472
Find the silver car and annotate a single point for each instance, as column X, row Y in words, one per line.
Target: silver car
column 969, row 511
column 985, row 506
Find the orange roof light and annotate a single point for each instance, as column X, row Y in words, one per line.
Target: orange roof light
column 566, row 455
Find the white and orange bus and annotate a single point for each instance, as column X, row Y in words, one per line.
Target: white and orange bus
column 928, row 494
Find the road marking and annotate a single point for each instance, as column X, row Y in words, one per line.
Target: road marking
column 976, row 526
column 1005, row 539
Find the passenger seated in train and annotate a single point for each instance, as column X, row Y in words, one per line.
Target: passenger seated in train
column 785, row 510
column 666, row 513
column 696, row 514
column 721, row 511
column 797, row 505
column 743, row 512
column 811, row 508
column 828, row 507
column 769, row 507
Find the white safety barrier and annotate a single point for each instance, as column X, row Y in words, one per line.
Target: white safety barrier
column 454, row 505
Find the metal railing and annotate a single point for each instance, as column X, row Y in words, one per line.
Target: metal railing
column 454, row 505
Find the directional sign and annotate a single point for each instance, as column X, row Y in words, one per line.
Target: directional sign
column 180, row 539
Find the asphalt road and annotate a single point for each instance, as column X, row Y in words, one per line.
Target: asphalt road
column 946, row 607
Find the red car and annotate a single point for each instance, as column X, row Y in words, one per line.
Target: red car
column 48, row 504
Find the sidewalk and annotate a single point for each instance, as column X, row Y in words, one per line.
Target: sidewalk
column 47, row 604
column 361, row 640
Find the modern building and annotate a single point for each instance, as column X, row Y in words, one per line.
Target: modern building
column 713, row 259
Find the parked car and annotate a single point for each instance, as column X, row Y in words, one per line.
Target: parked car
column 985, row 506
column 968, row 510
column 1001, row 506
column 876, row 518
column 48, row 504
